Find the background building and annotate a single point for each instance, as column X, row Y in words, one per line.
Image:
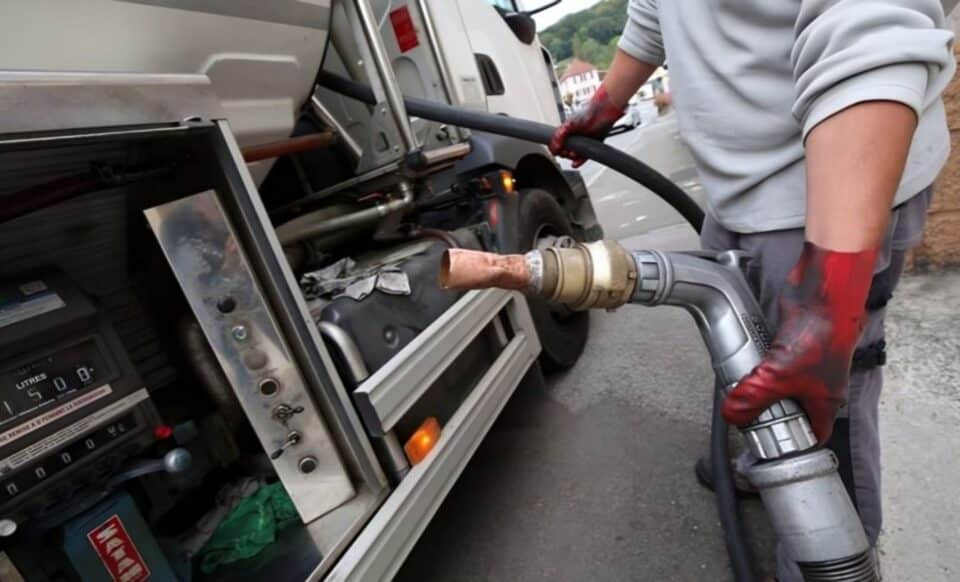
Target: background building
column 579, row 82
column 659, row 82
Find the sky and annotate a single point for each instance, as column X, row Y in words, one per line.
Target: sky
column 551, row 15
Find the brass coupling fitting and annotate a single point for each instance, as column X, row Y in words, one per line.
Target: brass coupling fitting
column 598, row 274
column 589, row 275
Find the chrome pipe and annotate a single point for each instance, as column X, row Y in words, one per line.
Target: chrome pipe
column 445, row 154
column 430, row 30
column 387, row 447
column 343, row 41
column 346, row 140
column 302, row 229
column 381, row 62
column 348, row 349
column 446, row 79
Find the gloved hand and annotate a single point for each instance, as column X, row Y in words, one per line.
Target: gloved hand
column 822, row 312
column 595, row 120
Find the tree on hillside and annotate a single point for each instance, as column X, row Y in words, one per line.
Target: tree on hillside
column 601, row 23
column 602, row 28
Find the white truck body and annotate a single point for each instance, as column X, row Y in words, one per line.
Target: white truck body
column 93, row 89
column 262, row 59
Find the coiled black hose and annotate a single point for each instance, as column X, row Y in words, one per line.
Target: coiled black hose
column 534, row 132
column 727, row 504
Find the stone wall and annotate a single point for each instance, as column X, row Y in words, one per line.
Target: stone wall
column 941, row 240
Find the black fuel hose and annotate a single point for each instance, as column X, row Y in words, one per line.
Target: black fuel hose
column 533, row 132
column 660, row 185
column 728, row 506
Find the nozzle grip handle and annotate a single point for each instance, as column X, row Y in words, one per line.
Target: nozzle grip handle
column 711, row 287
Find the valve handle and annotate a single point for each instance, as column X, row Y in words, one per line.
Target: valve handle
column 293, row 438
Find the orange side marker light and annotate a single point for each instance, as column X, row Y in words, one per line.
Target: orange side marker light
column 422, row 441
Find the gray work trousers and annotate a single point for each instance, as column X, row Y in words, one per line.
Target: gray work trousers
column 856, row 437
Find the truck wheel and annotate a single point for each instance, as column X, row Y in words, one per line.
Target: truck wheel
column 563, row 333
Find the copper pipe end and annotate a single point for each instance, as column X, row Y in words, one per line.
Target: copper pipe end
column 461, row 269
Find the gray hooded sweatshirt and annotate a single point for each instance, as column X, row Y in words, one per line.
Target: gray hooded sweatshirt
column 751, row 78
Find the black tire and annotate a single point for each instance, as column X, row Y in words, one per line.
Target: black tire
column 563, row 333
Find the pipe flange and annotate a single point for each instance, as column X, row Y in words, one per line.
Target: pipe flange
column 534, row 260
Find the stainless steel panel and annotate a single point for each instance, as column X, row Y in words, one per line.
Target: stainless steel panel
column 280, row 286
column 210, row 264
column 66, row 101
column 390, row 392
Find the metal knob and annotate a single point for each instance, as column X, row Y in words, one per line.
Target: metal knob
column 282, row 413
column 8, row 527
column 177, row 460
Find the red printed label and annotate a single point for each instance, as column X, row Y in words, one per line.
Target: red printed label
column 117, row 552
column 403, row 28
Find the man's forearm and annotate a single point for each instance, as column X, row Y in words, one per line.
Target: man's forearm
column 625, row 77
column 855, row 160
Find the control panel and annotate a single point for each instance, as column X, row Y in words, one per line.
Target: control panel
column 72, row 406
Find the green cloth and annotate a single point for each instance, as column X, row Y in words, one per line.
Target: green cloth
column 249, row 528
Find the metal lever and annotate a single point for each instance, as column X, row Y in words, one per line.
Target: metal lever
column 176, row 460
column 293, row 437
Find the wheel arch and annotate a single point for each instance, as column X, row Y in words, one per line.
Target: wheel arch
column 536, row 171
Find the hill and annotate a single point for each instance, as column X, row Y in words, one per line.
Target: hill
column 590, row 35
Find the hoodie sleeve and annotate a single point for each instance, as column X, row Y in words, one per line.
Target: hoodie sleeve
column 641, row 37
column 849, row 51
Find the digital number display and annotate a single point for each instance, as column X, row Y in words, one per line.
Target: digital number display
column 27, row 388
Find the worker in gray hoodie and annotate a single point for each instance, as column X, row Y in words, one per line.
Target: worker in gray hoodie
column 818, row 129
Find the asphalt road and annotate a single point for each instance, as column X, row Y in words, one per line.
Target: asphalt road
column 592, row 477
column 626, row 209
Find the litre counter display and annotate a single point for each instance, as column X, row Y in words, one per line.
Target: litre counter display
column 40, row 384
column 71, row 403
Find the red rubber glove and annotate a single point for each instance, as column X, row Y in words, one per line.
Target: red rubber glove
column 822, row 312
column 595, row 120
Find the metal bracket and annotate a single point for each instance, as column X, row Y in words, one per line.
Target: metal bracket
column 390, row 392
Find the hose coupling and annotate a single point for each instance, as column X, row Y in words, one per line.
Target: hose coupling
column 587, row 275
column 598, row 274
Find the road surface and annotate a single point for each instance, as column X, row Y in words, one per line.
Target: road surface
column 625, row 209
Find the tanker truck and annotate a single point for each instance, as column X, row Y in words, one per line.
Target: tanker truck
column 223, row 348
